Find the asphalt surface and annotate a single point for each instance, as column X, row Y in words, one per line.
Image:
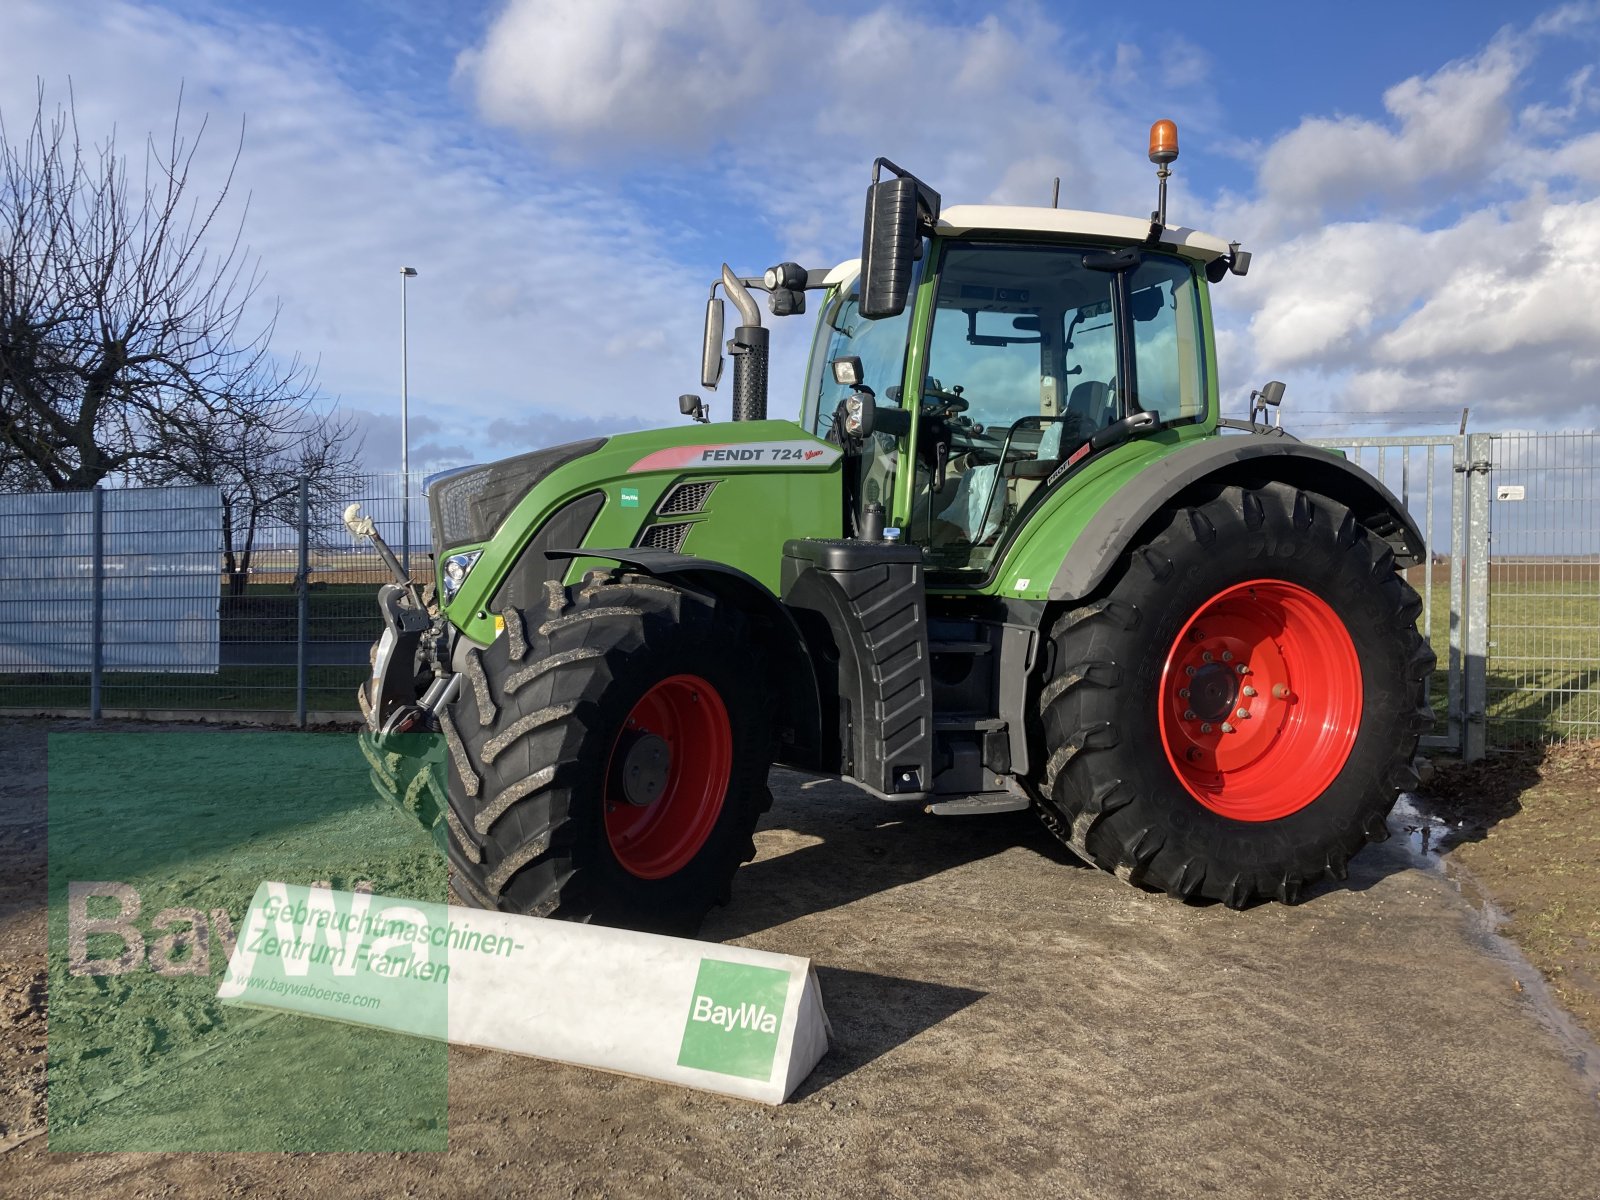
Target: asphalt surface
column 1008, row 1022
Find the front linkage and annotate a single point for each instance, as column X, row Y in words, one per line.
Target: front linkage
column 411, row 675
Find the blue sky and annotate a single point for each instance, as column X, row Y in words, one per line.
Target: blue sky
column 1417, row 182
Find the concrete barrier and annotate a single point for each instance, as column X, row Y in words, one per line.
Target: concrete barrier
column 719, row 1018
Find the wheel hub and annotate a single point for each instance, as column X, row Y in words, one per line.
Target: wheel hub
column 1260, row 700
column 1212, row 691
column 646, row 766
column 667, row 776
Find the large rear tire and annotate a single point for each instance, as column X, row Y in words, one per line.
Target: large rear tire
column 609, row 756
column 1233, row 716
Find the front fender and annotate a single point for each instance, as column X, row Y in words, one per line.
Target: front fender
column 1250, row 458
column 796, row 698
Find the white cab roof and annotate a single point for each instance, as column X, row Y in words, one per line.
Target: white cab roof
column 969, row 218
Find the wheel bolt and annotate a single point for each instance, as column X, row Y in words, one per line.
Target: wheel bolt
column 1192, row 754
column 1205, row 728
column 1188, row 670
column 1206, row 657
column 1226, row 728
column 1243, row 670
column 1227, row 656
column 1196, row 636
column 1280, row 692
column 1243, row 714
column 1183, row 693
column 1188, row 714
column 1249, row 691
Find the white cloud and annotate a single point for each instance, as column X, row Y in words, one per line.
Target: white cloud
column 1532, row 290
column 1449, row 128
column 1440, row 259
column 664, row 75
column 789, row 103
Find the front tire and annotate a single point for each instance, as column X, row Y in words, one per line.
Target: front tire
column 609, row 756
column 1233, row 716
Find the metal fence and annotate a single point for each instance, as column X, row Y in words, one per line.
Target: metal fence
column 1542, row 674
column 288, row 635
column 1511, row 598
column 1511, row 592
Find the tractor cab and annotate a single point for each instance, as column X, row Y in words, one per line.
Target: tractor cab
column 1028, row 333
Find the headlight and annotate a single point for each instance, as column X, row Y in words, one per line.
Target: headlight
column 854, row 414
column 455, row 571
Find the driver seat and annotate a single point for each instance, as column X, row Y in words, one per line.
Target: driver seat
column 1093, row 403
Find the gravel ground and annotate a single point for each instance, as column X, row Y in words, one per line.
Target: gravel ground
column 1006, row 1022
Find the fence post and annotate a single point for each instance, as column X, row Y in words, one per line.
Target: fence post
column 1456, row 722
column 1475, row 742
column 97, row 606
column 303, row 595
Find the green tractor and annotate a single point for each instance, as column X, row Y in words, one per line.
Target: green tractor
column 1005, row 555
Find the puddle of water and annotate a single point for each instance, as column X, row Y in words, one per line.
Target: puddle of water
column 1426, row 839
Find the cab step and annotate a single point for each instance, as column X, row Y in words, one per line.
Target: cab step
column 964, row 724
column 938, row 647
column 973, row 806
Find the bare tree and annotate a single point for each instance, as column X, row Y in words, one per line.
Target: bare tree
column 256, row 448
column 122, row 303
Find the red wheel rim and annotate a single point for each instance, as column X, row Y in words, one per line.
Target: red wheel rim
column 1260, row 700
column 667, row 775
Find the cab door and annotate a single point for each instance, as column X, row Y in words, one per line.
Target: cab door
column 881, row 347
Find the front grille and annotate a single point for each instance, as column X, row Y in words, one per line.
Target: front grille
column 686, row 498
column 454, row 522
column 668, row 536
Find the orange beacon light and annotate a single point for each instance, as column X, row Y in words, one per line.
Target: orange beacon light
column 1163, row 142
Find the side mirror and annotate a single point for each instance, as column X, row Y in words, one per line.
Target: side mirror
column 691, row 405
column 1269, row 396
column 711, row 349
column 888, row 247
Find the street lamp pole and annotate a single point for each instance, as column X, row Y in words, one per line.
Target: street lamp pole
column 405, row 432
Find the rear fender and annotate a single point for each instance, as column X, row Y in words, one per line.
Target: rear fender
column 1205, row 465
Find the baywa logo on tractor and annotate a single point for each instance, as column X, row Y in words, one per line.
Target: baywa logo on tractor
column 1007, row 555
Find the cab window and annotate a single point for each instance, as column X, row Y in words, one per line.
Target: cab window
column 1025, row 364
column 880, row 344
column 1166, row 335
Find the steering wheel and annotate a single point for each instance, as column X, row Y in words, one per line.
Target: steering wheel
column 935, row 398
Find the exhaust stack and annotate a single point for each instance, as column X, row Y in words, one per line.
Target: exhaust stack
column 749, row 351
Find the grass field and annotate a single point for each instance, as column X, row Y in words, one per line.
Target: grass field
column 1543, row 672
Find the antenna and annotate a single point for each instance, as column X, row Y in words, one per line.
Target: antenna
column 1055, row 193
